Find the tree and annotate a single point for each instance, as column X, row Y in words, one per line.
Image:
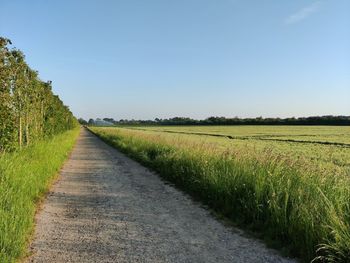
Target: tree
column 29, row 110
column 82, row 121
column 91, row 122
column 7, row 118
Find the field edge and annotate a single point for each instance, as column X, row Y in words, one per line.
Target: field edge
column 33, row 172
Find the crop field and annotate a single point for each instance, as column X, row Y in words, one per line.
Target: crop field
column 326, row 147
column 317, row 134
column 289, row 184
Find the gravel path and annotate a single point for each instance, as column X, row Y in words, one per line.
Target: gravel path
column 108, row 208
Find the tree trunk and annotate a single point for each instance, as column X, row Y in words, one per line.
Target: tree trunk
column 27, row 129
column 20, row 132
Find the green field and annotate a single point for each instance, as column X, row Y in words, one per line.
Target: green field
column 291, row 184
column 322, row 146
column 318, row 134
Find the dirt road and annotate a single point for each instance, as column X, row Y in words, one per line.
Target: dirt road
column 108, row 208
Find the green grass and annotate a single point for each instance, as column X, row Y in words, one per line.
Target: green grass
column 339, row 134
column 274, row 188
column 335, row 158
column 25, row 176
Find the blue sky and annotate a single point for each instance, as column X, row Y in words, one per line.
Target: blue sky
column 196, row 58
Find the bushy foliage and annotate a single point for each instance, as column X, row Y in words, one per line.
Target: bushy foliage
column 28, row 108
column 316, row 120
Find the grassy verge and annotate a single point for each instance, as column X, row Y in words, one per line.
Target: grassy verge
column 24, row 178
column 306, row 211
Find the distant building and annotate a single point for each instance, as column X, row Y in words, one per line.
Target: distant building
column 99, row 122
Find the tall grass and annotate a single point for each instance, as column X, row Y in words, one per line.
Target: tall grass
column 24, row 177
column 304, row 209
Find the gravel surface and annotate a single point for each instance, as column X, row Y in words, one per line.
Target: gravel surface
column 108, row 208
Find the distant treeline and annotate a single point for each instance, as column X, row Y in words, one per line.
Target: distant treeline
column 317, row 120
column 28, row 108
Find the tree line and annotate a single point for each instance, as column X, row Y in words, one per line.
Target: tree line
column 316, row 120
column 29, row 110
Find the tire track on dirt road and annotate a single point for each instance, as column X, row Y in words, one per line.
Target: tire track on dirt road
column 107, row 208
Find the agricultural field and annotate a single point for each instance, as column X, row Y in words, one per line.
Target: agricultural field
column 291, row 184
column 326, row 147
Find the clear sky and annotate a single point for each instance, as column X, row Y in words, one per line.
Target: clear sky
column 196, row 58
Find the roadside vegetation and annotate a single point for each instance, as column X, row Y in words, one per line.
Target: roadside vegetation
column 37, row 132
column 25, row 176
column 283, row 190
column 29, row 110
